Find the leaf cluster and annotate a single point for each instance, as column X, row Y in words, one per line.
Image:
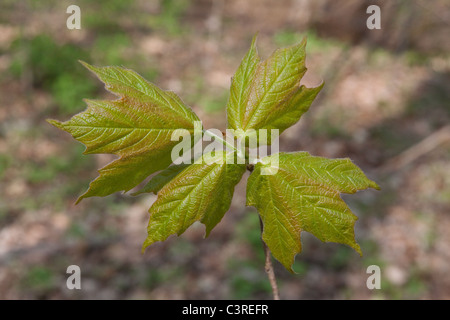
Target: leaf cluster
column 293, row 192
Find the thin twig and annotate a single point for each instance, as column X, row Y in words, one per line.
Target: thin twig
column 269, row 267
column 428, row 144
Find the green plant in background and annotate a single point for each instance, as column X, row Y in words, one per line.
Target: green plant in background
column 53, row 67
column 5, row 162
column 103, row 16
column 169, row 17
column 296, row 193
column 39, row 278
column 315, row 43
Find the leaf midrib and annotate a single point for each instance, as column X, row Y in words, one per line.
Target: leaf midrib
column 249, row 82
column 182, row 200
column 128, row 128
column 271, row 85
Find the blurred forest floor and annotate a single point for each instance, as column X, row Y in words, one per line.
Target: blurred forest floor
column 385, row 104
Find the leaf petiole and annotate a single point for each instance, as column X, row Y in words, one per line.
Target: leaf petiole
column 240, row 154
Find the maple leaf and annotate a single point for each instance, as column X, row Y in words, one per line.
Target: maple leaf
column 268, row 94
column 137, row 127
column 304, row 195
column 200, row 192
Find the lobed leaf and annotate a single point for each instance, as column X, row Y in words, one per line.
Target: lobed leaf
column 303, row 194
column 201, row 192
column 268, row 94
column 137, row 127
column 241, row 84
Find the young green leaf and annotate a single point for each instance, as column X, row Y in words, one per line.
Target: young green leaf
column 240, row 87
column 303, row 194
column 137, row 127
column 268, row 94
column 201, row 192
